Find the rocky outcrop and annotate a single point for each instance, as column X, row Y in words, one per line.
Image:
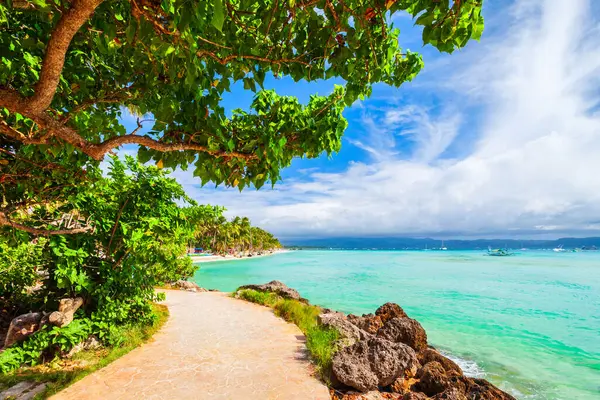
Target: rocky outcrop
column 428, row 355
column 404, row 330
column 373, row 363
column 389, row 311
column 387, row 357
column 277, row 287
column 349, row 332
column 189, row 286
column 415, row 396
column 432, row 379
column 372, row 395
column 369, row 323
column 22, row 326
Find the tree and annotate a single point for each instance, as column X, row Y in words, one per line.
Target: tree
column 69, row 69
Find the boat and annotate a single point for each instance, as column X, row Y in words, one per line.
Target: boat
column 499, row 252
column 443, row 247
column 559, row 249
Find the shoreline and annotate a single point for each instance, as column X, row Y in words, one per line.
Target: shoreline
column 216, row 258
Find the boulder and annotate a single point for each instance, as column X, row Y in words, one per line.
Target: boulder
column 432, row 379
column 389, row 311
column 451, row 394
column 404, row 330
column 415, row 396
column 21, row 327
column 189, row 286
column 349, row 332
column 372, row 395
column 276, row 287
column 428, row 355
column 25, row 390
column 369, row 323
column 369, row 364
column 66, row 310
column 480, row 389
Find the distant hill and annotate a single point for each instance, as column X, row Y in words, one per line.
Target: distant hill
column 389, row 243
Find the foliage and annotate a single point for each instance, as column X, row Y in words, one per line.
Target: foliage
column 70, row 69
column 19, row 267
column 138, row 240
column 320, row 341
column 214, row 232
column 87, row 361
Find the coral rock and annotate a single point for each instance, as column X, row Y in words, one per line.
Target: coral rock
column 428, row 355
column 276, row 287
column 432, row 379
column 371, row 363
column 369, row 323
column 404, row 330
column 389, row 311
column 350, row 333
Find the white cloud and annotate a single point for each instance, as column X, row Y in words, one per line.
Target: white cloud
column 534, row 166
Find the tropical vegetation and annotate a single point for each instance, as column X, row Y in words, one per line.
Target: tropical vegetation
column 72, row 72
column 134, row 225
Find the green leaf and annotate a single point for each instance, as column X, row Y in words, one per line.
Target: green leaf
column 218, row 15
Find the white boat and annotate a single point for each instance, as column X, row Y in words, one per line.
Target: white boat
column 559, row 249
column 443, row 247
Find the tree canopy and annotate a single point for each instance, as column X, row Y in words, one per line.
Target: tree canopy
column 69, row 69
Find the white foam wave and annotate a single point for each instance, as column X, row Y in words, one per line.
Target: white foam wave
column 469, row 367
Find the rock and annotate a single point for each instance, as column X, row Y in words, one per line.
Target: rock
column 90, row 343
column 21, row 327
column 428, row 355
column 25, row 390
column 389, row 311
column 404, row 330
column 276, row 287
column 451, row 394
column 349, row 332
column 369, row 323
column 480, row 389
column 66, row 310
column 415, row 396
column 369, row 364
column 402, row 384
column 432, row 379
column 372, row 395
column 189, row 286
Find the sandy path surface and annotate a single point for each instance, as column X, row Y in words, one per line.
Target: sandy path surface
column 212, row 347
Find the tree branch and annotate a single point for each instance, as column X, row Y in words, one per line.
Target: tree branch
column 4, row 221
column 99, row 150
column 56, row 50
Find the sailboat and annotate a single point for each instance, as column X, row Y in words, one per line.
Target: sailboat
column 559, row 249
column 443, row 247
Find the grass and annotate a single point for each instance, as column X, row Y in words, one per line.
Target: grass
column 320, row 341
column 61, row 373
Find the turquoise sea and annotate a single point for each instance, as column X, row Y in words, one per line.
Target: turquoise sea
column 529, row 323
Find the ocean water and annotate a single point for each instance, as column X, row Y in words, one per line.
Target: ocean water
column 528, row 323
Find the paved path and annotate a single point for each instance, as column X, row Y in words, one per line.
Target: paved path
column 212, row 347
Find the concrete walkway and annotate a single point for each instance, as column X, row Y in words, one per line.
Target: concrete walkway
column 212, row 347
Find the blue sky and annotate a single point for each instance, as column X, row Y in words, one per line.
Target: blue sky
column 499, row 139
